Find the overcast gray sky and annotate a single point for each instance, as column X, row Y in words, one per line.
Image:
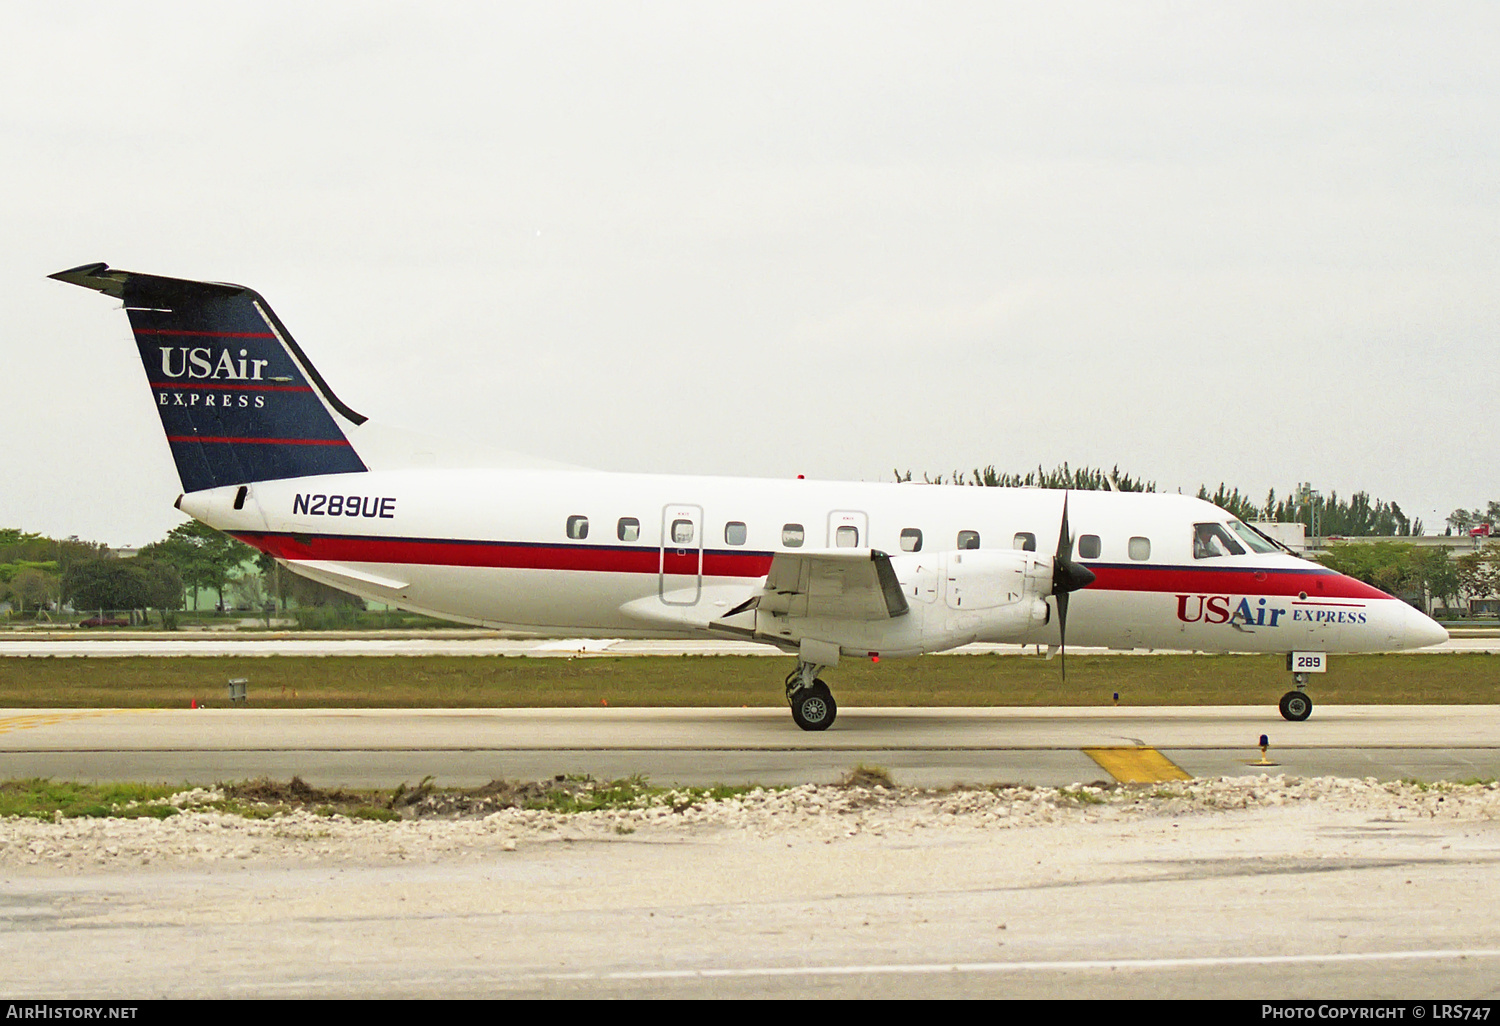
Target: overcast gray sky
column 1251, row 242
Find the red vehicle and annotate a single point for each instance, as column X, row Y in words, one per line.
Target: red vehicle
column 104, row 621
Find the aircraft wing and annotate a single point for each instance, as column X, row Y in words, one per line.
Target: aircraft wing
column 847, row 584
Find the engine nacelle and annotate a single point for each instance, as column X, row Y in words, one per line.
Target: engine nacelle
column 994, row 595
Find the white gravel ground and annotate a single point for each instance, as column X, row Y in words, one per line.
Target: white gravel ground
column 201, row 836
column 1259, row 888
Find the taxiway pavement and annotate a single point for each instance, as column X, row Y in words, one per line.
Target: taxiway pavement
column 921, row 747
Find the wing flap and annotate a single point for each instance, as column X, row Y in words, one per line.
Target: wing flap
column 837, row 584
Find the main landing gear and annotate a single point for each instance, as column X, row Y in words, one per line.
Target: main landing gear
column 1295, row 705
column 812, row 703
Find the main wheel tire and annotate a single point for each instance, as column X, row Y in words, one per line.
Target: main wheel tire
column 813, row 708
column 1296, row 706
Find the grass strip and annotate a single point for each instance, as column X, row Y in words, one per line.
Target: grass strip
column 726, row 681
column 264, row 798
column 51, row 799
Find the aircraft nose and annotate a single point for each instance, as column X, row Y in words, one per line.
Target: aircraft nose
column 1418, row 630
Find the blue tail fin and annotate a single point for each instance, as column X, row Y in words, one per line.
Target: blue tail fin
column 238, row 399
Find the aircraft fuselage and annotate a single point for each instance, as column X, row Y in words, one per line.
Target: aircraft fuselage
column 581, row 553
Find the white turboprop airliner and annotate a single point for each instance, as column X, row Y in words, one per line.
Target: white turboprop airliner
column 820, row 569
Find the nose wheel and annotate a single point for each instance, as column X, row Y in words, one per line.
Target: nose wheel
column 1295, row 705
column 813, row 707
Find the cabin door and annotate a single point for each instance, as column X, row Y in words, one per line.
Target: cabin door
column 680, row 574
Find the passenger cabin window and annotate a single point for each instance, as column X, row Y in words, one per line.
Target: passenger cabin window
column 734, row 533
column 846, row 537
column 628, row 529
column 682, row 532
column 1210, row 540
column 1025, row 541
column 1088, row 546
column 968, row 539
column 792, row 535
column 911, row 540
column 578, row 528
column 1140, row 548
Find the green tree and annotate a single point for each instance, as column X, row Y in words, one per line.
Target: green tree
column 35, row 586
column 1463, row 519
column 250, row 589
column 1478, row 574
column 19, row 548
column 104, row 583
column 107, row 583
column 1357, row 516
column 163, row 589
column 1385, row 565
column 1398, row 568
column 1084, row 479
column 1231, row 501
column 1438, row 575
column 280, row 580
column 204, row 557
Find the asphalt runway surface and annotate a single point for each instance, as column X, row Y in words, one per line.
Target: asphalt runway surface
column 921, row 747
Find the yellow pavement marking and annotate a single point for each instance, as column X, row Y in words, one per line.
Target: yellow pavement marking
column 1136, row 765
column 31, row 720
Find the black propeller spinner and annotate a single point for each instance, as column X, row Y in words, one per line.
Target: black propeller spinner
column 1067, row 577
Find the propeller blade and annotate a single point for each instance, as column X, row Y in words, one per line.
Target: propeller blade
column 1062, row 632
column 1064, row 537
column 1067, row 577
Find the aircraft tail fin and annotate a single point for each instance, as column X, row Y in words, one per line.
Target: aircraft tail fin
column 238, row 399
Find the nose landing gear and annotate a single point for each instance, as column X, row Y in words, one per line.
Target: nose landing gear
column 1295, row 705
column 813, row 707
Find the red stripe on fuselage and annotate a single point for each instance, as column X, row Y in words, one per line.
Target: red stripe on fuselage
column 599, row 559
column 1180, row 580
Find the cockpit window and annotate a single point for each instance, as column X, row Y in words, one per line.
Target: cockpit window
column 1251, row 537
column 1210, row 540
